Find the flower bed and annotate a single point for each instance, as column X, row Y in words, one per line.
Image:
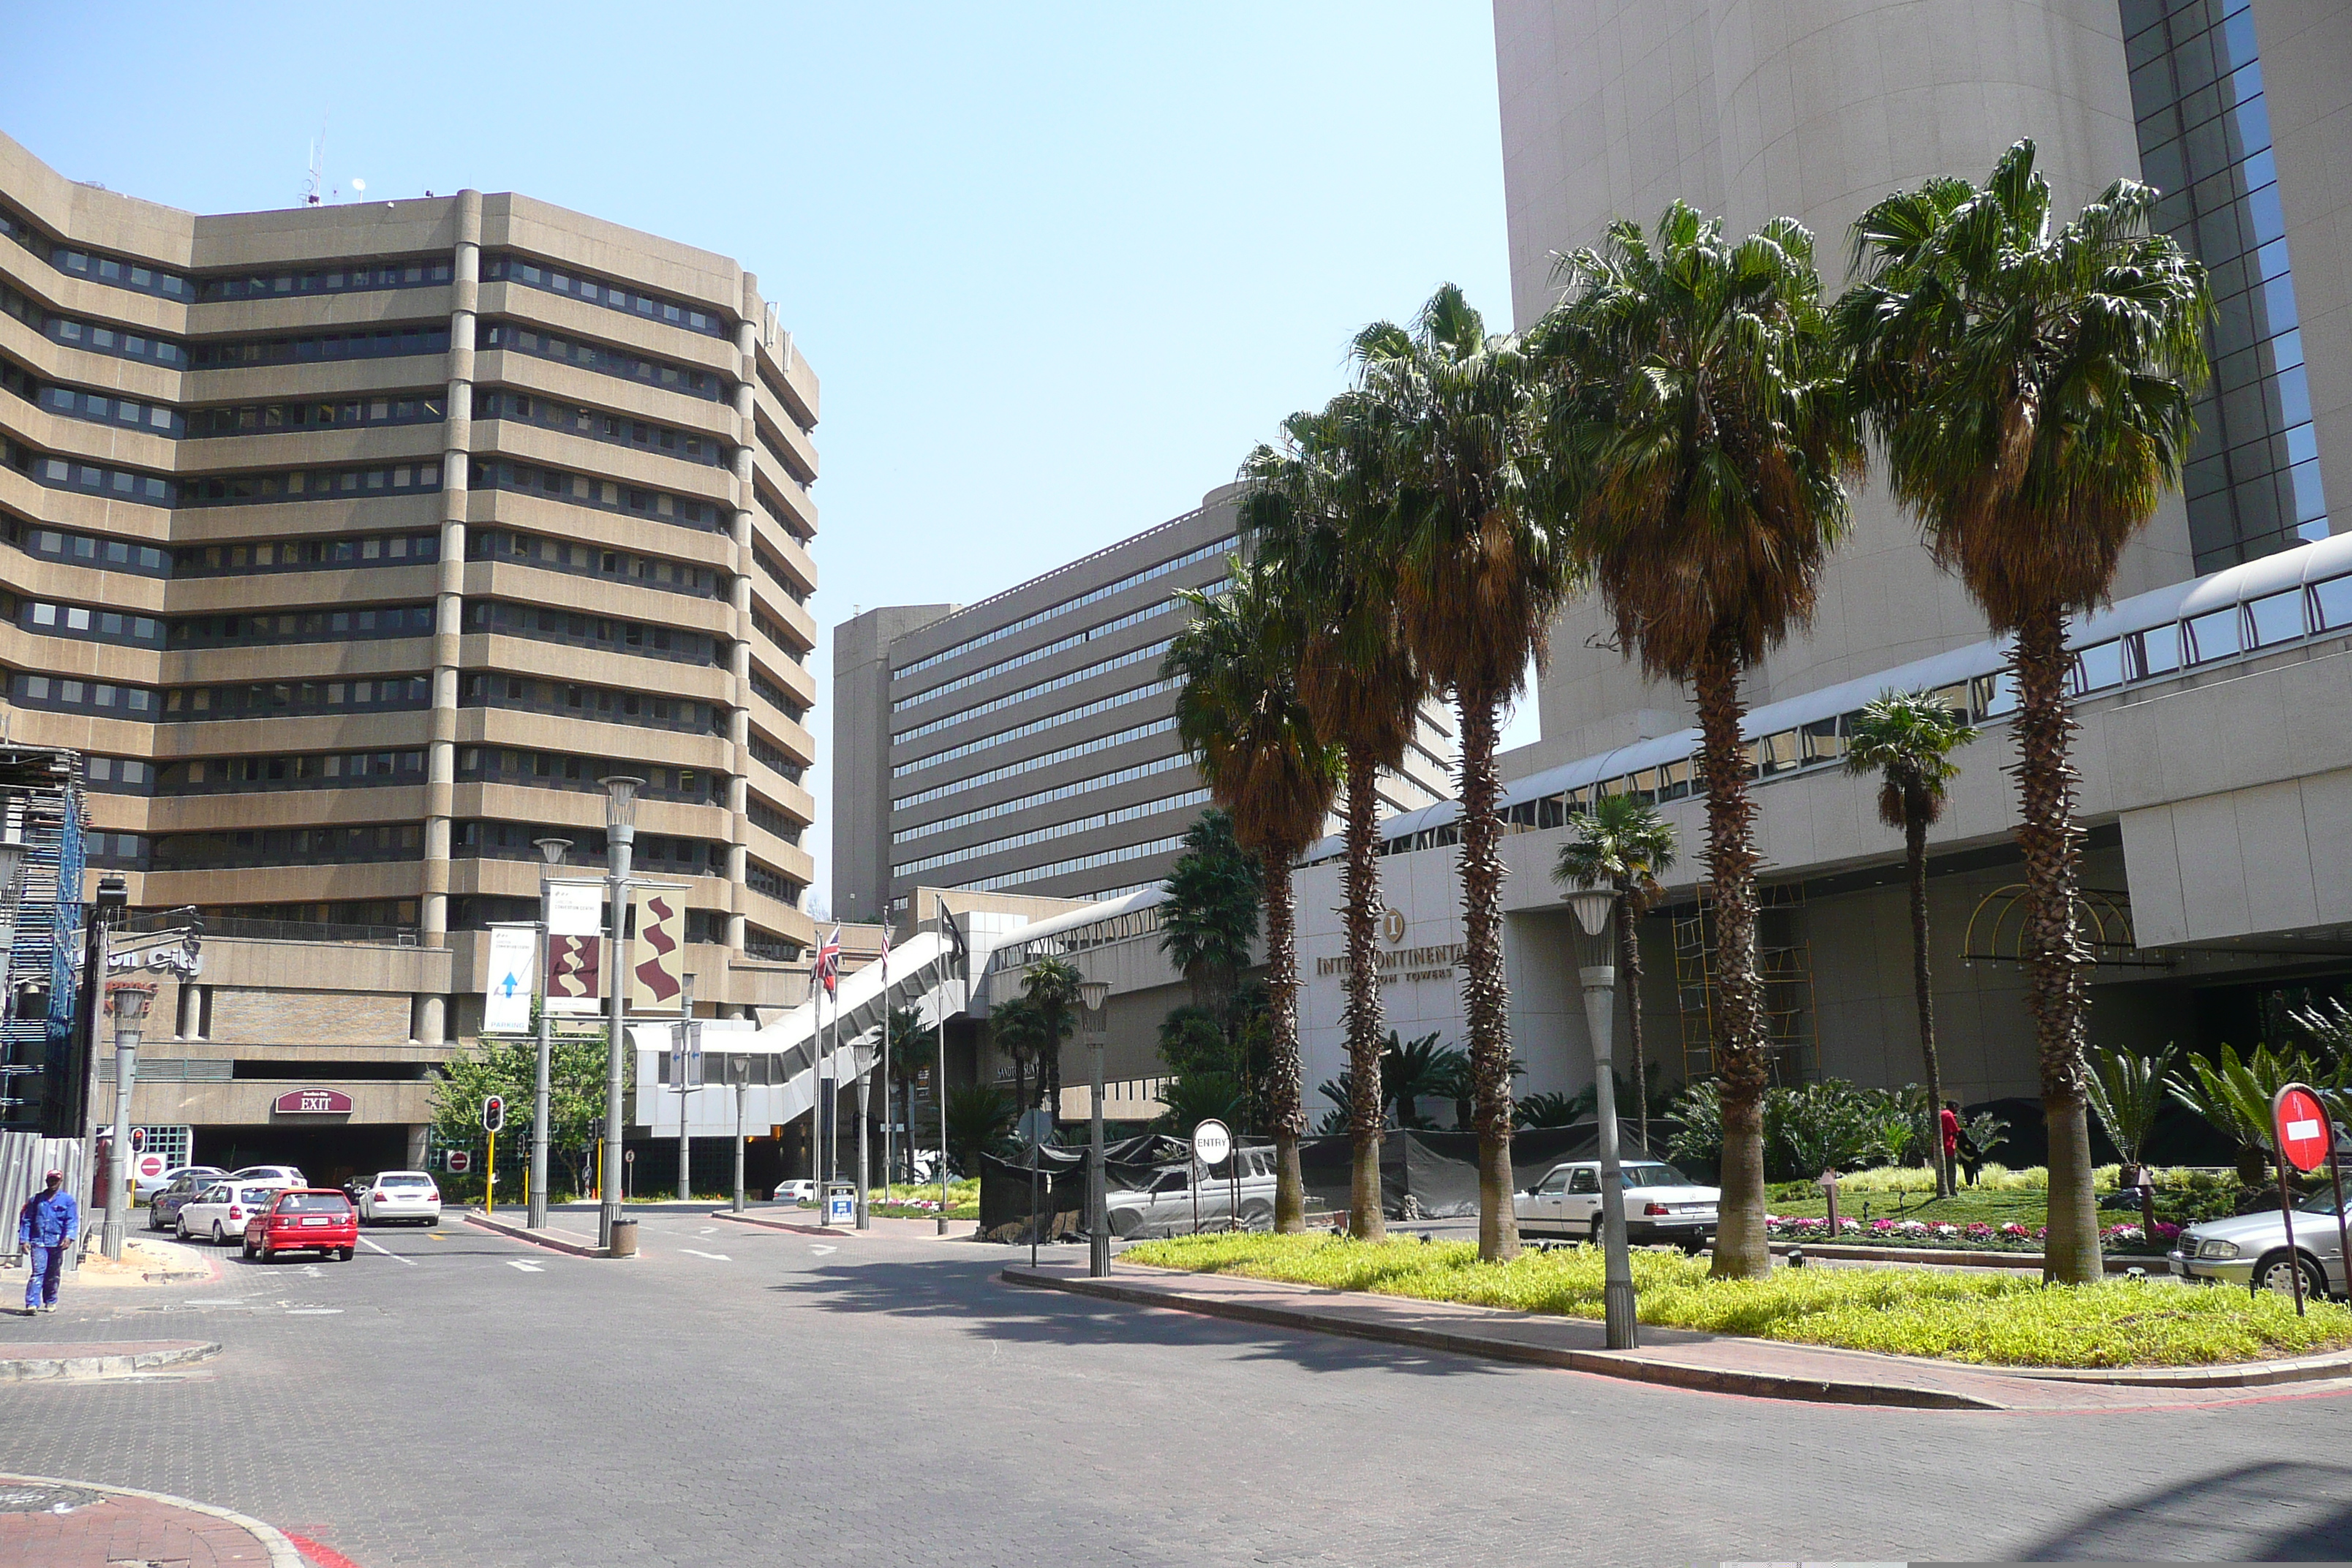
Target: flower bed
column 2010, row 1237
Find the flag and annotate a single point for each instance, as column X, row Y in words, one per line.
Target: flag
column 828, row 962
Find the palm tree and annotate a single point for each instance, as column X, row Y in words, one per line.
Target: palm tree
column 2031, row 388
column 1211, row 916
column 1623, row 844
column 1050, row 987
column 2125, row 1092
column 1477, row 545
column 1907, row 739
column 1015, row 1029
column 1312, row 513
column 1703, row 406
column 1238, row 714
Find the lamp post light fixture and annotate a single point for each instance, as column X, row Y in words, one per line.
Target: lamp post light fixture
column 739, row 1069
column 620, row 839
column 1093, row 993
column 129, row 1004
column 1592, row 910
column 551, row 852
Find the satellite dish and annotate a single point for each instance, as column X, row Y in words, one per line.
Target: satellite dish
column 358, row 184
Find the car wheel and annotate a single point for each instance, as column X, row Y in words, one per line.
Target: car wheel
column 1600, row 1232
column 2276, row 1272
column 181, row 1229
column 220, row 1236
column 1125, row 1223
column 1256, row 1215
column 345, row 1254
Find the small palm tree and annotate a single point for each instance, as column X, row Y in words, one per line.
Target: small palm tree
column 1050, row 985
column 1239, row 714
column 2234, row 1096
column 1907, row 739
column 2125, row 1092
column 1313, row 513
column 1016, row 1031
column 1210, row 919
column 1478, row 544
column 1702, row 403
column 1624, row 845
column 2031, row 387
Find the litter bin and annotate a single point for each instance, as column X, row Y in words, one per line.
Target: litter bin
column 625, row 1238
column 840, row 1202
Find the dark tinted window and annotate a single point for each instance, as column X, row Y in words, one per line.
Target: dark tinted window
column 314, row 1203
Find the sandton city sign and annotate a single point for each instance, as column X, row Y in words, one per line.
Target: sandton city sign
column 313, row 1103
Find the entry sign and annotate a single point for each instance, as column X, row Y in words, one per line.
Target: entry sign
column 1212, row 1143
column 150, row 1166
column 457, row 1160
column 2303, row 1129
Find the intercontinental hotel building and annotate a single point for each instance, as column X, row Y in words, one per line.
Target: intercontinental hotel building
column 351, row 545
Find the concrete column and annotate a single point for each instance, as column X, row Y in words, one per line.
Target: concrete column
column 739, row 721
column 450, row 605
column 432, row 1026
column 416, row 1147
column 191, row 1024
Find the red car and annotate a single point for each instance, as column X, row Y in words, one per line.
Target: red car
column 304, row 1219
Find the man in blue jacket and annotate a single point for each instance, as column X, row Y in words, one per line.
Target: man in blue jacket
column 45, row 1229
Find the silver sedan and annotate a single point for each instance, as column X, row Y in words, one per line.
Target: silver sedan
column 2251, row 1248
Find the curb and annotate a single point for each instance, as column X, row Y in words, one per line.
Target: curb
column 2235, row 1375
column 1958, row 1257
column 29, row 1369
column 1607, row 1364
column 282, row 1553
column 536, row 1239
column 784, row 1224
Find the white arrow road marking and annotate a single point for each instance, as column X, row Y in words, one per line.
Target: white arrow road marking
column 705, row 1230
column 714, row 1256
column 311, row 1269
column 526, row 1268
column 821, row 1251
column 396, row 1258
column 312, row 1311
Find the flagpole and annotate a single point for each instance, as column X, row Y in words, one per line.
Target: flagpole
column 886, row 1147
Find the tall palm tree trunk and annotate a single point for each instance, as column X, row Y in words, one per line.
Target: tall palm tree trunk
column 1283, row 1078
column 1915, row 850
column 2052, row 950
column 1485, row 1004
column 1367, row 1128
column 1741, row 1065
column 1629, row 964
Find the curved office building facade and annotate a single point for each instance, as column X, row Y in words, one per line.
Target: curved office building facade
column 353, row 544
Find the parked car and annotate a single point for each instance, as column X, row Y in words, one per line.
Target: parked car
column 291, row 1175
column 222, row 1210
column 795, row 1192
column 400, row 1195
column 1167, row 1206
column 163, row 1205
column 303, row 1219
column 143, row 1189
column 2251, row 1248
column 1661, row 1204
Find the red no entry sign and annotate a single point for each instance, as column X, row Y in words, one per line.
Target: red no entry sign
column 2302, row 1125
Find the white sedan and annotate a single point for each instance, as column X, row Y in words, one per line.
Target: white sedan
column 401, row 1194
column 1661, row 1204
column 221, row 1211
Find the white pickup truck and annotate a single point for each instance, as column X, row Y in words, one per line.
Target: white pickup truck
column 1661, row 1204
column 1166, row 1206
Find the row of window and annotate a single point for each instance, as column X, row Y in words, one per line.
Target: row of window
column 644, row 435
column 310, row 484
column 1043, row 760
column 604, row 495
column 779, row 516
column 602, row 704
column 593, row 560
column 764, row 879
column 116, row 851
column 93, row 407
column 597, row 292
column 119, row 775
column 1079, row 863
column 768, row 819
column 91, row 478
column 272, row 419
column 599, row 358
column 305, row 555
column 766, row 750
column 66, row 695
column 118, row 271
column 1145, row 653
column 518, row 841
column 1110, row 819
column 775, row 696
column 1224, row 546
column 1035, row 726
column 289, row 846
column 1047, row 650
column 542, row 623
column 90, row 550
column 290, row 699
column 327, row 770
column 381, row 343
column 325, row 280
column 563, row 770
column 84, row 622
column 91, row 335
column 776, row 573
column 303, row 625
column 1043, row 797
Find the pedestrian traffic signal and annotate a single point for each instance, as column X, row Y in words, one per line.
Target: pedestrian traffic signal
column 494, row 1113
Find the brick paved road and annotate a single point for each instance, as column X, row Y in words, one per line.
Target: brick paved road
column 886, row 1402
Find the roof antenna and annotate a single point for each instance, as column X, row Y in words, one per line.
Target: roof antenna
column 318, row 157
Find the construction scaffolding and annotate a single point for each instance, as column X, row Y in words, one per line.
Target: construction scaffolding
column 1784, row 962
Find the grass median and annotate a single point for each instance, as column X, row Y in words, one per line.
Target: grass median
column 1993, row 1319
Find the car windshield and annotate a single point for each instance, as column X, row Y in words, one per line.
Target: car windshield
column 258, row 1194
column 2318, row 1203
column 402, row 1179
column 1655, row 1176
column 314, row 1203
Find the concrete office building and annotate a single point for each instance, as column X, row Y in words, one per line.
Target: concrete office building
column 2215, row 755
column 352, row 543
column 1027, row 743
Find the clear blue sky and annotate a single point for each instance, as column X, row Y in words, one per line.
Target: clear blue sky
column 1057, row 266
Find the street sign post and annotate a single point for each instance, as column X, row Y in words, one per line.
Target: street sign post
column 458, row 1160
column 1212, row 1145
column 2306, row 1135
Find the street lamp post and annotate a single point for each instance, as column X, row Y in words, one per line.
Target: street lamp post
column 739, row 1067
column 1093, row 993
column 129, row 1004
column 551, row 851
column 686, row 1062
column 620, row 838
column 1596, row 968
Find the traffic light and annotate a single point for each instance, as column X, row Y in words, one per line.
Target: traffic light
column 494, row 1113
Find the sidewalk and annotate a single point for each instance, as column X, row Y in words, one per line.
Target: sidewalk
column 894, row 1229
column 1720, row 1363
column 576, row 1243
column 76, row 1524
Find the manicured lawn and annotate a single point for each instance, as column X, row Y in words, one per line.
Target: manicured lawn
column 922, row 1200
column 2028, row 1208
column 1993, row 1318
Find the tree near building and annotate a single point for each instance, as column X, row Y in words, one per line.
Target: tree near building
column 1701, row 407
column 1624, row 845
column 1239, row 715
column 1210, row 919
column 1479, row 551
column 2032, row 386
column 1050, row 985
column 1907, row 739
column 508, row 1065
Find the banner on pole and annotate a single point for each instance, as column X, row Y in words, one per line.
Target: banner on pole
column 658, row 956
column 574, row 973
column 575, row 909
column 506, row 1002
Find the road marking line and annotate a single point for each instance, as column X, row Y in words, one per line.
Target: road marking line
column 821, row 1251
column 714, row 1256
column 312, row 1311
column 396, row 1258
column 526, row 1268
